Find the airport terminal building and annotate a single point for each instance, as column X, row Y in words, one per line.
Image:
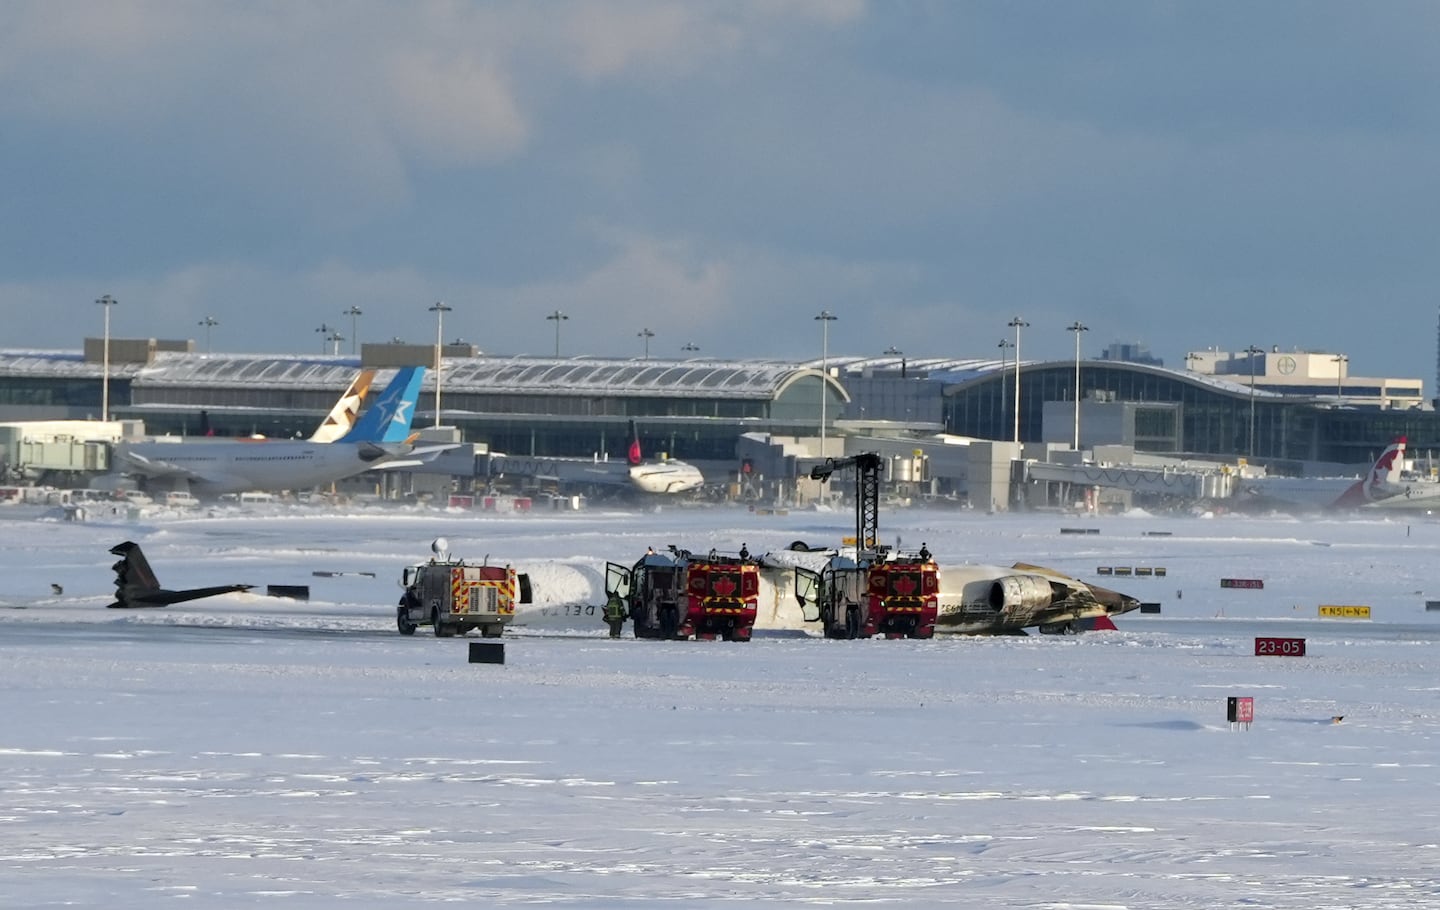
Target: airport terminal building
column 698, row 409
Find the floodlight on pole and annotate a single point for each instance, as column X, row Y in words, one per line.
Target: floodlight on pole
column 354, row 312
column 1340, row 361
column 1077, row 328
column 825, row 318
column 107, row 302
column 335, row 338
column 689, row 347
column 646, row 334
column 1252, row 351
column 208, row 322
column 1017, row 324
column 324, row 331
column 557, row 317
column 439, row 309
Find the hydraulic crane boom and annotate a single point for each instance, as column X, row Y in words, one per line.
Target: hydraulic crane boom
column 867, row 493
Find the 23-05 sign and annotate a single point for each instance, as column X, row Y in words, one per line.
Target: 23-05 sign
column 1279, row 647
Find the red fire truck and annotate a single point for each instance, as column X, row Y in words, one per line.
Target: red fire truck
column 679, row 594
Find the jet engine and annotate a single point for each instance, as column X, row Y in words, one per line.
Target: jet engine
column 1021, row 592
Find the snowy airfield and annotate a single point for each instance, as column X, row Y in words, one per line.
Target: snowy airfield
column 247, row 749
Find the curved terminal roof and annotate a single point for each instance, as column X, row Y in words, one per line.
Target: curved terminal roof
column 961, row 372
column 679, row 378
column 755, row 379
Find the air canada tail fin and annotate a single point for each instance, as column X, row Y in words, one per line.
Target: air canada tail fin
column 634, row 456
column 388, row 418
column 341, row 418
column 1379, row 483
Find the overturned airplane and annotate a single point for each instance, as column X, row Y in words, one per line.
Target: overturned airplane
column 137, row 586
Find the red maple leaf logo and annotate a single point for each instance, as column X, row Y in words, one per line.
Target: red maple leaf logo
column 904, row 585
column 724, row 586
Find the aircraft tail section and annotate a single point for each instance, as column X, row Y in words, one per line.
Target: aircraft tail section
column 1384, row 476
column 137, row 586
column 388, row 419
column 133, row 570
column 634, row 455
column 341, row 418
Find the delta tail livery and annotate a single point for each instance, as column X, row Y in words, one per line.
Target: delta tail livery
column 211, row 467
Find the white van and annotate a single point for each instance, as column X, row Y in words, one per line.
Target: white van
column 179, row 499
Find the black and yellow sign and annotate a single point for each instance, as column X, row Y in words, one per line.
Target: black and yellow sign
column 1332, row 611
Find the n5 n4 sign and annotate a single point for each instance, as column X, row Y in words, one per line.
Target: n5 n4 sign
column 1279, row 647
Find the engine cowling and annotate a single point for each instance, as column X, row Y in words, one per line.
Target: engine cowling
column 1021, row 592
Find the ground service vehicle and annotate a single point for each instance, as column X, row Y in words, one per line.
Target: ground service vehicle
column 875, row 591
column 453, row 596
column 678, row 594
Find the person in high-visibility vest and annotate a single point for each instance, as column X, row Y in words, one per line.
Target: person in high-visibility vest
column 615, row 615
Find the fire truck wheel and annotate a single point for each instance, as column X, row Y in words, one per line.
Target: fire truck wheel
column 439, row 628
column 403, row 623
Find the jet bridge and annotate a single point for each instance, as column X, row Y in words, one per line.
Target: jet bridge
column 1184, row 483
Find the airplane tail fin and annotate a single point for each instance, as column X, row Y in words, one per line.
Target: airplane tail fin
column 634, row 455
column 132, row 573
column 341, row 418
column 387, row 420
column 1377, row 484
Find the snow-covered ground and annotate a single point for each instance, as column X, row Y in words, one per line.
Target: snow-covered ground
column 240, row 749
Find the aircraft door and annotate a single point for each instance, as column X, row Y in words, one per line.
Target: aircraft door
column 618, row 580
column 807, row 591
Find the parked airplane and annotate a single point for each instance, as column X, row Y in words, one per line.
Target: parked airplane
column 137, row 586
column 211, row 467
column 663, row 476
column 1312, row 493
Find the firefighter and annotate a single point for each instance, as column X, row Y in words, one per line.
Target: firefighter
column 615, row 615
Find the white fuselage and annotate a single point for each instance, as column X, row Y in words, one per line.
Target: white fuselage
column 667, row 476
column 216, row 467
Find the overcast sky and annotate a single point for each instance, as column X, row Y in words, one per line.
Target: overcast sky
column 1183, row 175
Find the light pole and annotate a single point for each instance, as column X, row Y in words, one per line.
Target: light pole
column 1017, row 324
column 647, row 335
column 557, row 317
column 1077, row 328
column 1252, row 351
column 324, row 331
column 208, row 322
column 1004, row 365
column 1340, row 361
column 689, row 347
column 439, row 309
column 825, row 318
column 107, row 302
column 354, row 313
column 335, row 338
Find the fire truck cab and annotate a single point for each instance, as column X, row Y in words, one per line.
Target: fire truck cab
column 453, row 596
column 878, row 593
column 677, row 594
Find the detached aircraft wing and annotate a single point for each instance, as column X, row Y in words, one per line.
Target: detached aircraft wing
column 137, row 586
